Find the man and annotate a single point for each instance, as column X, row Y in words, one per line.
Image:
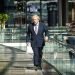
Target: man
column 37, row 34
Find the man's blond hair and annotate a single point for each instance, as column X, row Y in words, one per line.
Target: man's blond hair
column 36, row 17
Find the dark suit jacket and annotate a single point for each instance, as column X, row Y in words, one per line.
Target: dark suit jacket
column 37, row 40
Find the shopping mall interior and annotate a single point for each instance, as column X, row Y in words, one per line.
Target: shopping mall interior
column 58, row 54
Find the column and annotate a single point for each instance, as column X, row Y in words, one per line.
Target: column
column 62, row 12
column 2, row 6
column 73, row 12
column 40, row 9
column 59, row 12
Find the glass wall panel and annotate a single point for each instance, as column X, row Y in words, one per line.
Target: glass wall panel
column 21, row 11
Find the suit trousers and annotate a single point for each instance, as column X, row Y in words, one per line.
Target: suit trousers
column 37, row 55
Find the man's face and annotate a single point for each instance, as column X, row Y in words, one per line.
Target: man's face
column 35, row 20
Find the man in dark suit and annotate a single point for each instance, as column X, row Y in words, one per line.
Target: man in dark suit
column 37, row 34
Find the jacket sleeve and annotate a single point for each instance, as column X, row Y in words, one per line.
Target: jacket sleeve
column 46, row 30
column 28, row 34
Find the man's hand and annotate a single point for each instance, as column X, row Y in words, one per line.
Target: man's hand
column 65, row 39
column 46, row 38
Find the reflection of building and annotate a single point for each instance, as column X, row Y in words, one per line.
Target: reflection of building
column 50, row 11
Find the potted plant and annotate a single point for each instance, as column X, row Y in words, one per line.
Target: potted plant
column 3, row 19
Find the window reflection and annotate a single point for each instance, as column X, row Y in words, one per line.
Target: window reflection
column 28, row 8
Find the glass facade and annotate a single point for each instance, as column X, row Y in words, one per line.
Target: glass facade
column 57, row 14
column 21, row 11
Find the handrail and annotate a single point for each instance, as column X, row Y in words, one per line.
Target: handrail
column 65, row 45
column 59, row 73
column 62, row 43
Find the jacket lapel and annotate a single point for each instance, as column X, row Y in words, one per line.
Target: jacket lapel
column 33, row 28
column 39, row 28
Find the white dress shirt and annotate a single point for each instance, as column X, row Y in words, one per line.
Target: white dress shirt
column 36, row 28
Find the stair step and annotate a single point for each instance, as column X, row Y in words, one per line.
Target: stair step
column 23, row 71
column 18, row 56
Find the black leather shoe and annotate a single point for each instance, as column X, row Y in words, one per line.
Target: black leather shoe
column 40, row 68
